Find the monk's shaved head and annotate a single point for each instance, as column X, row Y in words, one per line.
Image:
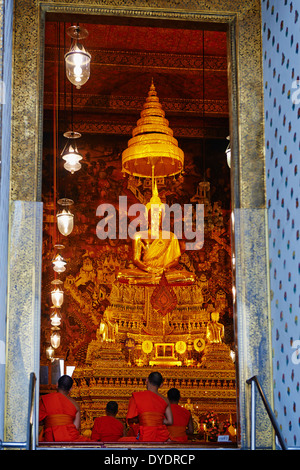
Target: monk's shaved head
column 112, row 408
column 65, row 383
column 155, row 378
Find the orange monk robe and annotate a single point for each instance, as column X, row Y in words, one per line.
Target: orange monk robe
column 133, row 430
column 107, row 429
column 58, row 413
column 181, row 417
column 132, row 433
column 150, row 408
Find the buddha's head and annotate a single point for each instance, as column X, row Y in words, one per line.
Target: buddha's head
column 155, row 211
column 214, row 316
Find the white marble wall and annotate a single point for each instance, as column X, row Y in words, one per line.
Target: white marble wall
column 253, row 320
column 6, row 14
column 23, row 330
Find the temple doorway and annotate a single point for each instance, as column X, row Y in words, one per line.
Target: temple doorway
column 109, row 334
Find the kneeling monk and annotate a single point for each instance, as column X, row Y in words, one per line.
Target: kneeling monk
column 108, row 428
column 60, row 414
column 153, row 411
column 182, row 418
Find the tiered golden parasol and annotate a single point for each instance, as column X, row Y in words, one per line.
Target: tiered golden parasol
column 152, row 151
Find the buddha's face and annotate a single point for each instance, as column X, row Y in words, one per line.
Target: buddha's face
column 215, row 316
column 154, row 218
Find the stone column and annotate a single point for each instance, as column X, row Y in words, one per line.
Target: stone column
column 23, row 328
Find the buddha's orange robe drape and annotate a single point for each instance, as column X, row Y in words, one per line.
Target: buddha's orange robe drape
column 107, row 429
column 150, row 408
column 58, row 414
column 181, row 417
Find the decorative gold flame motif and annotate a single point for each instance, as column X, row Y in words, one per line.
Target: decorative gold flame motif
column 155, row 200
column 152, row 151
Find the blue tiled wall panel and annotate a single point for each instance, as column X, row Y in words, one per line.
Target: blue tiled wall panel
column 281, row 65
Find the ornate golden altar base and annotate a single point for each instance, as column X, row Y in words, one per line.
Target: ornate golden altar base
column 202, row 390
column 133, row 340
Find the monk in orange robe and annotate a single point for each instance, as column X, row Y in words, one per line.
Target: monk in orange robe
column 133, row 427
column 182, row 418
column 133, row 430
column 108, row 428
column 153, row 411
column 60, row 414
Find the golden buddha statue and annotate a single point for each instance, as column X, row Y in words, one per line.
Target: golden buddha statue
column 107, row 329
column 215, row 330
column 155, row 251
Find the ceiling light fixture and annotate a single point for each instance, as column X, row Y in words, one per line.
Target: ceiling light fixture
column 70, row 152
column 65, row 219
column 57, row 295
column 59, row 264
column 50, row 353
column 55, row 317
column 228, row 153
column 55, row 339
column 77, row 59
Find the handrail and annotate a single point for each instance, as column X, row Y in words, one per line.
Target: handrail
column 31, row 438
column 30, row 442
column 254, row 381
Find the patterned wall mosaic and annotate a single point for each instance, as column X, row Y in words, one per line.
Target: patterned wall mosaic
column 280, row 24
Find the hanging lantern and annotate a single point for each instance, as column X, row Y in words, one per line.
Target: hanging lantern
column 65, row 219
column 59, row 264
column 50, row 353
column 77, row 60
column 70, row 152
column 228, row 153
column 55, row 317
column 55, row 339
column 232, row 355
column 57, row 295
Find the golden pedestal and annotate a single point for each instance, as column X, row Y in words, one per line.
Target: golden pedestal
column 104, row 352
column 217, row 354
column 144, row 341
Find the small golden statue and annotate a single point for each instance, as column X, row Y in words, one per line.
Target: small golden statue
column 215, row 330
column 107, row 329
column 216, row 353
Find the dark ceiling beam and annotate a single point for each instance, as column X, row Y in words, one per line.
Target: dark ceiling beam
column 182, row 128
column 170, row 62
column 132, row 21
column 134, row 104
